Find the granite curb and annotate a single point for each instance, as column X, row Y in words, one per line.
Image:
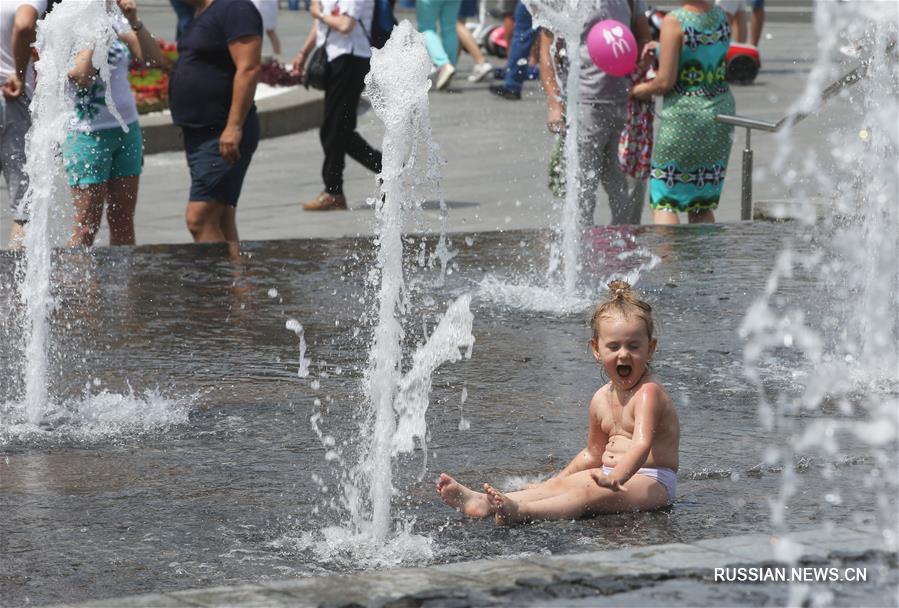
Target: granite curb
column 292, row 111
column 530, row 579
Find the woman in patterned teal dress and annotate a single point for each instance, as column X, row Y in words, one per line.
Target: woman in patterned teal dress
column 690, row 154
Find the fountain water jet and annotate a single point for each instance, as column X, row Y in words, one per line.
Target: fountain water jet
column 398, row 87
column 566, row 18
column 71, row 27
column 847, row 340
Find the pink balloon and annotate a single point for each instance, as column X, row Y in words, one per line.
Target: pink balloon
column 612, row 47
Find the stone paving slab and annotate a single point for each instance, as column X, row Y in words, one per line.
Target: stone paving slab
column 554, row 580
column 367, row 587
column 154, row 600
column 246, row 596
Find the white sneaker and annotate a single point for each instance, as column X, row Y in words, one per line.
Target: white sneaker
column 444, row 76
column 479, row 71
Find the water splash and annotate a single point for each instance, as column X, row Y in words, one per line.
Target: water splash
column 99, row 416
column 70, row 28
column 847, row 339
column 398, row 88
column 612, row 253
column 297, row 328
column 566, row 18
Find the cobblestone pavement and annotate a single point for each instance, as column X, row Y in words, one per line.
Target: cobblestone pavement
column 676, row 574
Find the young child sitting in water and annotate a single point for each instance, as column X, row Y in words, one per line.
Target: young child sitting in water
column 631, row 458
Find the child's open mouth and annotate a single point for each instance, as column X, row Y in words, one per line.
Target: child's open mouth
column 624, row 370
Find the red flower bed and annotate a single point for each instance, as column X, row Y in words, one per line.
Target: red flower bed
column 151, row 85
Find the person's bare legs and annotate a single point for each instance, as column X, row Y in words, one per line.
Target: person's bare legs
column 508, row 26
column 468, row 43
column 276, row 42
column 120, row 209
column 738, row 25
column 228, row 224
column 582, row 497
column 211, row 222
column 461, row 498
column 663, row 216
column 17, row 235
column 88, row 202
column 706, row 216
column 758, row 22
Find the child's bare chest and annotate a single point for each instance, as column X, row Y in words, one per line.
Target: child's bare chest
column 618, row 419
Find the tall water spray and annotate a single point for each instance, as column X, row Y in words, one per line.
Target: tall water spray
column 73, row 26
column 398, row 88
column 566, row 19
column 849, row 337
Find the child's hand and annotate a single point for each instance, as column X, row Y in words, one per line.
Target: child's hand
column 604, row 481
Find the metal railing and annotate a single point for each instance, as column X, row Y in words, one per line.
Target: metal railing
column 749, row 124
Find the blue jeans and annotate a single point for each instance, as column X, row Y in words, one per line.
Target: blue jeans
column 443, row 48
column 523, row 36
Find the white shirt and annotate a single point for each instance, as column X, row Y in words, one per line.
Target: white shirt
column 91, row 113
column 8, row 10
column 356, row 42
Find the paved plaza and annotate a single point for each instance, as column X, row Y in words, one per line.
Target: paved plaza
column 495, row 151
column 675, row 574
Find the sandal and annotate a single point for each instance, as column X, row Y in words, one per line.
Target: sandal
column 326, row 202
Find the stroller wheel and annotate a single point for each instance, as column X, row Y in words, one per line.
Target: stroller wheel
column 495, row 42
column 742, row 69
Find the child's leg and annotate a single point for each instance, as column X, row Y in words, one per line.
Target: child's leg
column 461, row 498
column 476, row 504
column 583, row 497
column 467, row 42
column 550, row 487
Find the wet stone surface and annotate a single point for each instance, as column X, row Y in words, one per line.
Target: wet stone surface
column 516, row 582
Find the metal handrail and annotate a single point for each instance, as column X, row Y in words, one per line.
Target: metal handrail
column 847, row 80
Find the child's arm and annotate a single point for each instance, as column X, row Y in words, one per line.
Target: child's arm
column 591, row 456
column 647, row 412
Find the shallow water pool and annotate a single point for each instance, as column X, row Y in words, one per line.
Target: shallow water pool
column 180, row 452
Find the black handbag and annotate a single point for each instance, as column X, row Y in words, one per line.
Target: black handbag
column 315, row 74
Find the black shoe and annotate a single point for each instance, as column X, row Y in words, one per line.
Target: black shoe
column 502, row 91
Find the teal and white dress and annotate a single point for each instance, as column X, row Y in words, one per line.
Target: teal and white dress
column 689, row 160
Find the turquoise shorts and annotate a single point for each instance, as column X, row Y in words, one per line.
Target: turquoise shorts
column 95, row 157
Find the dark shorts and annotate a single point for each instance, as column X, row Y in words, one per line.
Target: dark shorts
column 211, row 178
column 469, row 8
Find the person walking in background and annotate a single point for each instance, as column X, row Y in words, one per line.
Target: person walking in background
column 689, row 158
column 523, row 37
column 736, row 16
column 601, row 114
column 443, row 47
column 104, row 161
column 337, row 28
column 18, row 24
column 211, row 92
column 469, row 8
column 268, row 9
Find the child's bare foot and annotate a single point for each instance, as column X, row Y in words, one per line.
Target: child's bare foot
column 505, row 509
column 471, row 503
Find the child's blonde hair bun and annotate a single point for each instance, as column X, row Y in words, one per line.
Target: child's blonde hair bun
column 622, row 301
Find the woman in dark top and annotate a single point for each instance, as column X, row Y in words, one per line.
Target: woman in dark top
column 211, row 98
